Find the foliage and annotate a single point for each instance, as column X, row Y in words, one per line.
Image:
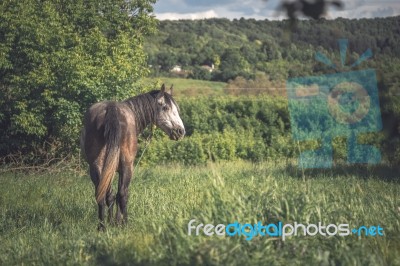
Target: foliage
column 246, row 46
column 255, row 129
column 57, row 58
column 199, row 72
column 60, row 57
column 51, row 219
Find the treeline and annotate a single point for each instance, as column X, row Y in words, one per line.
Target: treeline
column 246, row 46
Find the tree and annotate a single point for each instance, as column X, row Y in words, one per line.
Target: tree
column 199, row 72
column 58, row 57
column 233, row 64
column 167, row 60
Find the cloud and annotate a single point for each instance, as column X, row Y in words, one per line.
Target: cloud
column 208, row 2
column 261, row 9
column 383, row 12
column 222, row 8
column 195, row 15
column 368, row 9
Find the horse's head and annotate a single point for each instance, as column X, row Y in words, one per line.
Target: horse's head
column 167, row 117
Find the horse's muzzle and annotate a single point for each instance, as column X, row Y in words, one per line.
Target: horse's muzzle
column 177, row 133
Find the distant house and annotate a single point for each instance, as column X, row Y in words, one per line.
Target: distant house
column 176, row 69
column 208, row 68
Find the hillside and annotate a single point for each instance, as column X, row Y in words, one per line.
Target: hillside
column 246, row 47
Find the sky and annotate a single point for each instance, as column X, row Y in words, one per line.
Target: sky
column 265, row 9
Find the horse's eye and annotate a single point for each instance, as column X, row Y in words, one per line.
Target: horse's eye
column 165, row 108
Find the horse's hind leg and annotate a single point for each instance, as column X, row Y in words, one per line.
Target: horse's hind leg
column 95, row 176
column 122, row 195
column 110, row 200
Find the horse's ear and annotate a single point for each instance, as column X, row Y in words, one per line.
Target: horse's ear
column 162, row 88
column 171, row 89
column 160, row 95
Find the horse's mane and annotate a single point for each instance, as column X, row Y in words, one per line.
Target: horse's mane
column 144, row 107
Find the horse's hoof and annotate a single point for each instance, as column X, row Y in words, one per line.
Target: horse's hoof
column 101, row 227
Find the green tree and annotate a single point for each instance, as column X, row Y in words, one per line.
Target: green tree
column 199, row 72
column 58, row 57
column 233, row 64
column 167, row 60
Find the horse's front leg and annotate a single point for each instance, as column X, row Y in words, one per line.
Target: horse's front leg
column 125, row 176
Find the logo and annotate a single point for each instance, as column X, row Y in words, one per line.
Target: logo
column 281, row 230
column 343, row 104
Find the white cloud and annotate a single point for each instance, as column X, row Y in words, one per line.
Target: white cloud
column 368, row 10
column 266, row 9
column 195, row 15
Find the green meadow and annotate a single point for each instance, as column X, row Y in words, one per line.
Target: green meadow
column 50, row 217
column 191, row 87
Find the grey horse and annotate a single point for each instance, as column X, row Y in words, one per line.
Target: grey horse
column 109, row 142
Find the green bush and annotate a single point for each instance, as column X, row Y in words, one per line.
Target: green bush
column 226, row 128
column 248, row 128
column 59, row 57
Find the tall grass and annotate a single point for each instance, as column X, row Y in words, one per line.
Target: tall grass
column 192, row 87
column 52, row 219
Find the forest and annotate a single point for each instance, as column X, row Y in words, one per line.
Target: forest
column 245, row 47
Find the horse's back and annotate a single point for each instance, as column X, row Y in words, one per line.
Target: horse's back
column 93, row 139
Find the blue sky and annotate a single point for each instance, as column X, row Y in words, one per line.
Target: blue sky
column 259, row 9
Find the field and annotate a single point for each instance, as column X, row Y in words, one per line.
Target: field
column 184, row 88
column 192, row 87
column 50, row 218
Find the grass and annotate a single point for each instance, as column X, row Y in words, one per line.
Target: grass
column 193, row 87
column 203, row 88
column 50, row 219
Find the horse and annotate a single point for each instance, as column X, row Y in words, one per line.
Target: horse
column 109, row 143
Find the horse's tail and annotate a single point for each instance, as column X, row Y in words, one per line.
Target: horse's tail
column 112, row 135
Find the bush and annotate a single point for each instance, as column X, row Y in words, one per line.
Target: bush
column 224, row 129
column 199, row 72
column 60, row 57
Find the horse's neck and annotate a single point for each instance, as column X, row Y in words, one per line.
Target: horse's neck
column 143, row 108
